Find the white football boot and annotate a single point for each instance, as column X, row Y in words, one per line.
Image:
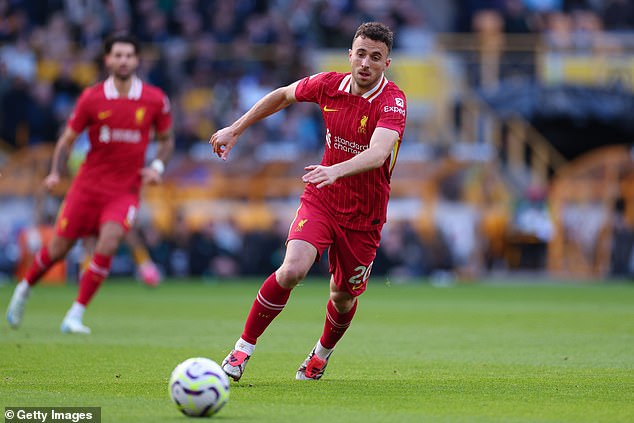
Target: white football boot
column 74, row 325
column 15, row 311
column 233, row 365
column 313, row 367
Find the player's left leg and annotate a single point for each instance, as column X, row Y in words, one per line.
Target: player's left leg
column 350, row 260
column 339, row 313
column 110, row 236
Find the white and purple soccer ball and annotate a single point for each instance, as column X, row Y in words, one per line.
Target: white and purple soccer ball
column 199, row 387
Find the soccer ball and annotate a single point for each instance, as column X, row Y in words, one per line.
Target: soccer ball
column 199, row 387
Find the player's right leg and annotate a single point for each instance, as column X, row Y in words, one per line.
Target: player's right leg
column 110, row 236
column 269, row 302
column 44, row 259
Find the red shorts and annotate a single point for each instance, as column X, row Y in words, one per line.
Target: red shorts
column 82, row 214
column 351, row 252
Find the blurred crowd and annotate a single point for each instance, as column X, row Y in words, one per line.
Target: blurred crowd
column 216, row 58
column 547, row 16
column 213, row 58
column 221, row 249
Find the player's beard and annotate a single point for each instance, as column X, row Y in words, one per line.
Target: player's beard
column 123, row 75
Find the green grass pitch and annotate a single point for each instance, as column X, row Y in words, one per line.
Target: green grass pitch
column 484, row 352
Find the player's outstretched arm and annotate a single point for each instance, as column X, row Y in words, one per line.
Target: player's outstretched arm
column 223, row 140
column 381, row 146
column 153, row 174
column 60, row 157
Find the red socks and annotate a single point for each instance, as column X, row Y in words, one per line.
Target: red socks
column 92, row 277
column 269, row 302
column 41, row 263
column 336, row 324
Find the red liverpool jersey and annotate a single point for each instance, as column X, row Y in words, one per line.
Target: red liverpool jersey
column 358, row 202
column 119, row 132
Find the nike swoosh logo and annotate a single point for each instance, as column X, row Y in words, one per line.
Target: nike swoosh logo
column 104, row 114
column 326, row 109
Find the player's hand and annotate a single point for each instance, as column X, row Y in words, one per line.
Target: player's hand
column 51, row 181
column 151, row 176
column 222, row 142
column 320, row 176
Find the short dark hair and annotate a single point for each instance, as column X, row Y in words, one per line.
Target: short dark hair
column 376, row 31
column 121, row 38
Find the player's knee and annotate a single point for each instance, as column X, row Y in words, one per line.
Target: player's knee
column 56, row 254
column 59, row 247
column 342, row 301
column 108, row 245
column 109, row 239
column 107, row 248
column 289, row 275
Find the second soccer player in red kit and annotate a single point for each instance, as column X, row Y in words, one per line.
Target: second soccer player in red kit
column 119, row 115
column 344, row 204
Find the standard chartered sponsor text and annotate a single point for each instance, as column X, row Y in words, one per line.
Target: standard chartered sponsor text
column 348, row 146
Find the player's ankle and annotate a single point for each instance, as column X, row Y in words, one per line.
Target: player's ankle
column 245, row 347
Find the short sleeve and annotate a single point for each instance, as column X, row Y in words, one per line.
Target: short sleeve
column 164, row 118
column 308, row 88
column 80, row 117
column 393, row 112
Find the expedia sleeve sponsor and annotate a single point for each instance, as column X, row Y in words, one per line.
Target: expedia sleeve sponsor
column 394, row 109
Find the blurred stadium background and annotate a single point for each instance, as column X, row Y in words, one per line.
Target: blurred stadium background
column 516, row 157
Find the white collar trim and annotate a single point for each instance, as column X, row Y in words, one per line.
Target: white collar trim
column 346, row 85
column 110, row 91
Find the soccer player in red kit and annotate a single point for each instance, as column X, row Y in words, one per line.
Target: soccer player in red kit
column 344, row 204
column 118, row 114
